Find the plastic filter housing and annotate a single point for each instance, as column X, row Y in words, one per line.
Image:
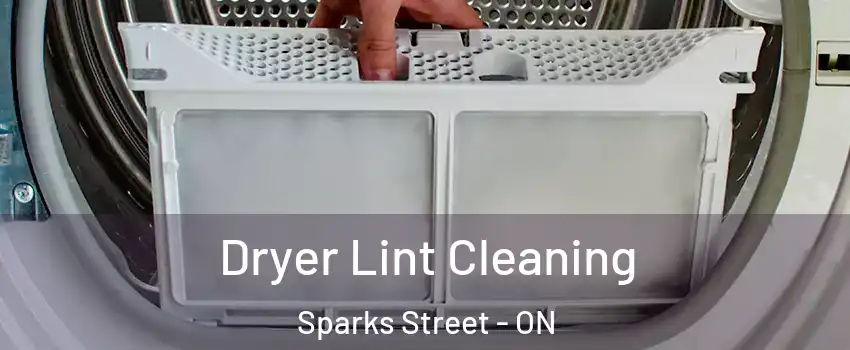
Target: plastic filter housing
column 494, row 124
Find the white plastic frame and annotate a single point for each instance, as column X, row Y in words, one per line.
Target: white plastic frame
column 217, row 70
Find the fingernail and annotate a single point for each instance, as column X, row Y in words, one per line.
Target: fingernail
column 383, row 74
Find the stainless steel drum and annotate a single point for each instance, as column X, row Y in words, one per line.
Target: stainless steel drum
column 507, row 14
column 538, row 14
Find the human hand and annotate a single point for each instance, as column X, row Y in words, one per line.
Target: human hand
column 376, row 47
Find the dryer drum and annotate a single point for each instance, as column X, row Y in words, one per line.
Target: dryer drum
column 103, row 124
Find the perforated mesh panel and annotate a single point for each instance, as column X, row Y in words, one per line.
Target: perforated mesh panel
column 442, row 66
column 318, row 57
column 329, row 56
column 514, row 14
column 598, row 57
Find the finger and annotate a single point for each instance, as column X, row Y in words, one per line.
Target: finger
column 376, row 47
column 459, row 15
column 331, row 13
column 407, row 21
column 452, row 13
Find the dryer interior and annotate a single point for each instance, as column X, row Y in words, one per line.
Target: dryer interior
column 103, row 124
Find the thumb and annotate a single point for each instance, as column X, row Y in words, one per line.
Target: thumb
column 376, row 47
